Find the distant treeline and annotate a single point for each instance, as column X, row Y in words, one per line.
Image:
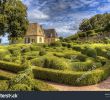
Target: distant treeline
column 96, row 25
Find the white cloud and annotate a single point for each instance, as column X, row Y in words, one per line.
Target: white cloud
column 60, row 14
column 104, row 8
column 35, row 15
column 94, row 4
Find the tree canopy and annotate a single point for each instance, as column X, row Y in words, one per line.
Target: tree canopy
column 96, row 25
column 13, row 18
column 99, row 21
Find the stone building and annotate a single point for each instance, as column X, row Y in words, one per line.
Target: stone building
column 36, row 34
column 50, row 36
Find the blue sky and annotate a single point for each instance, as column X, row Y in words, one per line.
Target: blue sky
column 63, row 15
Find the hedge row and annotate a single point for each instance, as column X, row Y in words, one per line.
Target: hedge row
column 60, row 76
column 10, row 66
column 72, row 78
column 42, row 86
column 6, row 75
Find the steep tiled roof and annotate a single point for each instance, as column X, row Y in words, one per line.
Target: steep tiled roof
column 33, row 29
column 50, row 33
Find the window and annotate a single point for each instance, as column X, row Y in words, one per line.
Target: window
column 25, row 40
column 33, row 40
column 40, row 40
column 28, row 40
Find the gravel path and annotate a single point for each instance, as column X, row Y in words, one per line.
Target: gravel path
column 103, row 86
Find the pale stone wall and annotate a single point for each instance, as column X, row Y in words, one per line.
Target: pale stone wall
column 51, row 40
column 40, row 39
column 34, row 39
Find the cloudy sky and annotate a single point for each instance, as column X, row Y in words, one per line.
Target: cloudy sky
column 64, row 15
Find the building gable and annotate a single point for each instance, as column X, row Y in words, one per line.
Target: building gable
column 34, row 30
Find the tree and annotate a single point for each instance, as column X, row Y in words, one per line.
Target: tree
column 13, row 18
column 85, row 25
column 3, row 17
column 97, row 22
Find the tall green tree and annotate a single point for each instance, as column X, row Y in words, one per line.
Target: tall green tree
column 97, row 22
column 3, row 17
column 85, row 25
column 13, row 16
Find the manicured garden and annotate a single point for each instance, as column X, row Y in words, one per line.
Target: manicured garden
column 23, row 66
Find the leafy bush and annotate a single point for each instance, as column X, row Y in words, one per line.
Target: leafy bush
column 108, row 54
column 3, row 53
column 89, row 64
column 25, row 49
column 9, row 66
column 101, row 59
column 42, row 52
column 42, row 86
column 64, row 44
column 71, row 78
column 90, row 52
column 106, row 40
column 53, row 62
column 82, row 66
column 6, row 75
column 31, row 55
column 21, row 79
column 34, row 48
column 81, row 57
column 69, row 55
column 101, row 51
column 56, row 44
column 78, row 48
column 20, row 87
column 38, row 62
column 25, row 81
column 15, row 51
column 59, row 54
column 3, row 85
column 7, row 58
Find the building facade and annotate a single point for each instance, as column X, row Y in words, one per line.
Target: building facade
column 50, row 36
column 36, row 34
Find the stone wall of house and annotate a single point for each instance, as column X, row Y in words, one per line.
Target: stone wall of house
column 34, row 39
column 51, row 40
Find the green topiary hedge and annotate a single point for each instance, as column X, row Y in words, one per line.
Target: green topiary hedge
column 91, row 52
column 70, row 78
column 10, row 66
column 20, row 87
column 3, row 85
column 52, row 63
column 42, row 86
column 6, row 75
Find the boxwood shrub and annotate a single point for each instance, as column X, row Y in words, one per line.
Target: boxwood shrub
column 53, row 63
column 3, row 85
column 4, row 75
column 81, row 57
column 91, row 52
column 9, row 66
column 70, row 78
column 42, row 86
column 20, row 87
